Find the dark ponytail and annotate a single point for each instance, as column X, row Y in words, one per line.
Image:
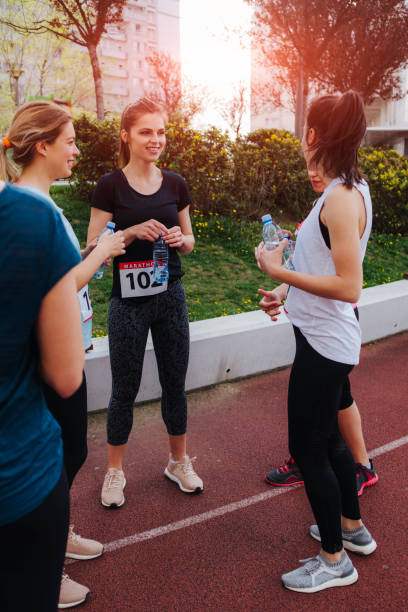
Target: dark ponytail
column 340, row 124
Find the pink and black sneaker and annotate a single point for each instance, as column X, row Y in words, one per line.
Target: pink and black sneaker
column 285, row 475
column 366, row 477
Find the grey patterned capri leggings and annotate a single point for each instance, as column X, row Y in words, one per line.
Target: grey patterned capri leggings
column 129, row 321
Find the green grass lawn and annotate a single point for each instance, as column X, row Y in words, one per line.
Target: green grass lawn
column 221, row 275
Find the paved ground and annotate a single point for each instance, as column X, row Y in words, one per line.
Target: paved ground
column 224, row 550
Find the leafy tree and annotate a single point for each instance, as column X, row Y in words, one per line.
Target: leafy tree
column 39, row 64
column 81, row 22
column 234, row 109
column 333, row 44
column 180, row 97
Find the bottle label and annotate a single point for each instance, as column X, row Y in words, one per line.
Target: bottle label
column 85, row 304
column 137, row 279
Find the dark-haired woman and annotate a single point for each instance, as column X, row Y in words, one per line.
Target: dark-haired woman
column 324, row 287
column 145, row 202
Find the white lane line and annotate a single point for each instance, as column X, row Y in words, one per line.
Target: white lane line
column 194, row 520
column 206, row 516
column 389, row 447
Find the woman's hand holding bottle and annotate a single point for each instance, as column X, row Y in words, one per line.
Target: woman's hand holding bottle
column 174, row 237
column 111, row 244
column 270, row 261
column 149, row 230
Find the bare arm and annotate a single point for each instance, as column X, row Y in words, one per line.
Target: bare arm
column 181, row 236
column 99, row 219
column 59, row 335
column 342, row 214
column 109, row 245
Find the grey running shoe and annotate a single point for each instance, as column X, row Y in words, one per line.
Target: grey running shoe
column 359, row 540
column 317, row 574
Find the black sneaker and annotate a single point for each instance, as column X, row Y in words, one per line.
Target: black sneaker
column 286, row 475
column 366, row 477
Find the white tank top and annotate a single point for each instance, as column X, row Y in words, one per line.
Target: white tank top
column 330, row 326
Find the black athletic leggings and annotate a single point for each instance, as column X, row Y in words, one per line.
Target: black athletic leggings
column 129, row 321
column 315, row 442
column 33, row 553
column 71, row 414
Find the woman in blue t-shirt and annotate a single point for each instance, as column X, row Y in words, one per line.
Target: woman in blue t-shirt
column 145, row 202
column 38, row 314
column 42, row 142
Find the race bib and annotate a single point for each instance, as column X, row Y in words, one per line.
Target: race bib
column 85, row 304
column 136, row 279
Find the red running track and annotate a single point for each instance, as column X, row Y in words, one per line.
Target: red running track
column 233, row 561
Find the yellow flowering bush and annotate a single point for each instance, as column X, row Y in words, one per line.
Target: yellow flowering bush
column 261, row 172
column 204, row 160
column 387, row 175
column 270, row 175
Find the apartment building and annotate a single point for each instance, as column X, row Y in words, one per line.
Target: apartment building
column 387, row 121
column 148, row 26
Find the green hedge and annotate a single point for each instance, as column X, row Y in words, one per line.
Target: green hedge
column 261, row 172
column 387, row 174
column 98, row 144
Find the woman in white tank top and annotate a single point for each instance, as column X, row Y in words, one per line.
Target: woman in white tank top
column 327, row 281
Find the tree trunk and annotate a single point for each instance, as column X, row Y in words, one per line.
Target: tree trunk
column 97, row 75
column 300, row 98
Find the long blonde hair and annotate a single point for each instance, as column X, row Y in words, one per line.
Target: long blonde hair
column 130, row 115
column 33, row 122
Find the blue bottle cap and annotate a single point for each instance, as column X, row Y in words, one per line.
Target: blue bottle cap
column 110, row 225
column 266, row 218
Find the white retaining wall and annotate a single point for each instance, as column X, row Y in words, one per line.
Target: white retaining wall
column 240, row 345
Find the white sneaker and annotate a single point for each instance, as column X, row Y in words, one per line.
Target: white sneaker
column 183, row 473
column 71, row 593
column 82, row 548
column 112, row 489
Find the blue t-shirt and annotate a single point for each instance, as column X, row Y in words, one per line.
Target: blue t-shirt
column 87, row 324
column 35, row 253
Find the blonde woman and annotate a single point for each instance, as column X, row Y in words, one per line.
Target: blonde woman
column 41, row 140
column 38, row 315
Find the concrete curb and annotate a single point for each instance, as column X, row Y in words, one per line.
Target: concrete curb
column 227, row 348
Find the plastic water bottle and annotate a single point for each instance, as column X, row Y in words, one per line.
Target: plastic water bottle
column 160, row 261
column 272, row 235
column 111, row 227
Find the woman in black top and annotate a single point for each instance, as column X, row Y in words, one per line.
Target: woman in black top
column 145, row 202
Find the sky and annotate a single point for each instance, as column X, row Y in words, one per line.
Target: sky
column 208, row 56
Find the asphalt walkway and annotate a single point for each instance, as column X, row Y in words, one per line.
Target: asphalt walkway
column 225, row 549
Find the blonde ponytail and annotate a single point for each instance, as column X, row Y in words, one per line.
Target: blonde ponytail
column 33, row 122
column 8, row 171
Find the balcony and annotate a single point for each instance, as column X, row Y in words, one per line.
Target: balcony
column 115, row 35
column 114, row 71
column 114, row 90
column 115, row 53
